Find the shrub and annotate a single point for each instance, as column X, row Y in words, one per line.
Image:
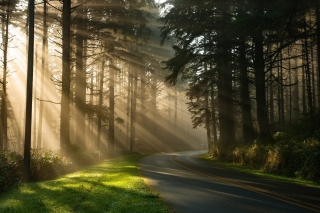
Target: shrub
column 281, row 137
column 82, row 158
column 272, row 163
column 286, row 157
column 310, row 168
column 10, row 170
column 46, row 165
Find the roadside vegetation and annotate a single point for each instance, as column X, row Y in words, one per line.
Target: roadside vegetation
column 111, row 186
column 45, row 165
column 294, row 153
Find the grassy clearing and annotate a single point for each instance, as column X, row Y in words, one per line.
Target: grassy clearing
column 113, row 186
column 250, row 170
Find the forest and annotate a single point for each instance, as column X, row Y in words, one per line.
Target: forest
column 106, row 77
column 253, row 73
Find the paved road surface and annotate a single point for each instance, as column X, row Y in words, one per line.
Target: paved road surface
column 190, row 185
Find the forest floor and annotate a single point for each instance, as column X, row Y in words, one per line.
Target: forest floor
column 112, row 186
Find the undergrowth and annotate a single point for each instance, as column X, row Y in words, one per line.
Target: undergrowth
column 45, row 165
column 285, row 156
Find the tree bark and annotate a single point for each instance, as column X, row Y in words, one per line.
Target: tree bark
column 247, row 123
column 98, row 144
column 318, row 47
column 65, row 96
column 225, row 90
column 34, row 92
column 207, row 116
column 111, row 139
column 262, row 113
column 4, row 113
column 44, row 67
column 213, row 116
column 133, row 110
column 129, row 93
column 80, row 84
column 308, row 76
column 28, row 121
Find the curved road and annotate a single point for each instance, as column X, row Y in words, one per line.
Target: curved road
column 190, row 185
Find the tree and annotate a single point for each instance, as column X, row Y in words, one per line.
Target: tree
column 44, row 67
column 28, row 123
column 188, row 21
column 111, row 110
column 81, row 86
column 66, row 72
column 6, row 13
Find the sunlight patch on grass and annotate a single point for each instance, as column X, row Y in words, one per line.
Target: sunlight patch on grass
column 113, row 186
column 12, row 202
column 27, row 191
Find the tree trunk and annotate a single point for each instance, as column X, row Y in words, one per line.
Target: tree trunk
column 34, row 92
column 80, row 85
column 213, row 116
column 111, row 111
column 225, row 90
column 27, row 142
column 133, row 109
column 207, row 116
column 90, row 116
column 98, row 146
column 318, row 47
column 289, row 92
column 280, row 93
column 247, row 123
column 4, row 113
column 65, row 96
column 271, row 102
column 308, row 75
column 296, row 105
column 303, row 86
column 143, row 95
column 313, row 79
column 153, row 101
column 128, row 106
column 44, row 68
column 176, row 108
column 262, row 113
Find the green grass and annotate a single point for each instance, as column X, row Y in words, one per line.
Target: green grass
column 247, row 169
column 113, row 186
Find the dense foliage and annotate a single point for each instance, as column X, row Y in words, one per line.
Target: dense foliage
column 290, row 155
column 10, row 170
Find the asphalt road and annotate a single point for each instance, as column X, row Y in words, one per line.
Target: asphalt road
column 190, row 185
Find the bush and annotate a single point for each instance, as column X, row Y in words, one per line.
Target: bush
column 46, row 165
column 10, row 170
column 82, row 158
column 285, row 157
column 310, row 168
